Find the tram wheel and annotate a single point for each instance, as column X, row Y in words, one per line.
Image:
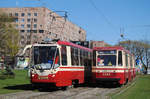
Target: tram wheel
column 126, row 82
column 75, row 83
column 64, row 88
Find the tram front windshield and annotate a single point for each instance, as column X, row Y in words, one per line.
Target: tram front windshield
column 46, row 57
column 106, row 60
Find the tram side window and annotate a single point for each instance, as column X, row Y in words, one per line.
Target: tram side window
column 126, row 60
column 64, row 55
column 81, row 58
column 131, row 63
column 120, row 58
column 84, row 57
column 74, row 56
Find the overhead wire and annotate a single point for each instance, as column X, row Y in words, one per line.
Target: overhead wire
column 101, row 14
column 106, row 20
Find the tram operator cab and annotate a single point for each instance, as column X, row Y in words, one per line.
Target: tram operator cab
column 56, row 63
column 44, row 62
column 113, row 64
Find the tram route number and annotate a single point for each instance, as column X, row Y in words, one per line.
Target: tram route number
column 43, row 77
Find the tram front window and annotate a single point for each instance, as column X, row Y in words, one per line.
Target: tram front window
column 106, row 60
column 46, row 57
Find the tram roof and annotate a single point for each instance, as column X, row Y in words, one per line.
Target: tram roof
column 74, row 45
column 110, row 48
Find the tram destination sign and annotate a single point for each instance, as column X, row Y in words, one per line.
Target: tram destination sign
column 107, row 52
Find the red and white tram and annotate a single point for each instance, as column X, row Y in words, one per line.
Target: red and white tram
column 112, row 64
column 60, row 63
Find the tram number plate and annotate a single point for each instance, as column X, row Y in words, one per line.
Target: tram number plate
column 41, row 77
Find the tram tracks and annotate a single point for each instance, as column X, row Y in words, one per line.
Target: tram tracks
column 72, row 93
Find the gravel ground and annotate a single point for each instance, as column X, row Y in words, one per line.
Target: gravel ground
column 71, row 93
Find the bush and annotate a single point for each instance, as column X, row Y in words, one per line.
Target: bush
column 7, row 73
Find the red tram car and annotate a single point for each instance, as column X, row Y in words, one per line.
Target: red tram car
column 60, row 63
column 112, row 64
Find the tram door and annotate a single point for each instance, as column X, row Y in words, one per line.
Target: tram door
column 88, row 69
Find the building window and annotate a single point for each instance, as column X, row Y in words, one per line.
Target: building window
column 28, row 31
column 35, row 25
column 28, row 20
column 34, row 31
column 22, row 25
column 35, row 39
column 22, row 42
column 35, row 14
column 29, row 14
column 10, row 14
column 28, row 25
column 16, row 19
column 79, row 31
column 28, row 37
column 41, row 31
column 22, row 20
column 22, row 14
column 35, row 20
column 40, row 25
column 16, row 14
column 22, row 37
column 22, row 31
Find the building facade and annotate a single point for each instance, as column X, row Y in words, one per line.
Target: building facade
column 98, row 44
column 91, row 44
column 36, row 24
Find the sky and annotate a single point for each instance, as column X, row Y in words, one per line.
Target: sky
column 103, row 20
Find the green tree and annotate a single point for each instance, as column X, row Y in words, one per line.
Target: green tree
column 9, row 36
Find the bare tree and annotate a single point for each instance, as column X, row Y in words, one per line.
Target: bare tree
column 140, row 49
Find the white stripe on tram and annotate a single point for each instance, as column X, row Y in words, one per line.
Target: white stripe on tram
column 70, row 69
column 111, row 71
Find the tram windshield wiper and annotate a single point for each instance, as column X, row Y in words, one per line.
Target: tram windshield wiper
column 43, row 66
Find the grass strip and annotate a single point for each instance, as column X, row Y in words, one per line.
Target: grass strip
column 139, row 89
column 16, row 84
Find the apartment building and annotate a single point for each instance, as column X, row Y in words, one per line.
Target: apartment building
column 36, row 24
column 98, row 44
column 91, row 44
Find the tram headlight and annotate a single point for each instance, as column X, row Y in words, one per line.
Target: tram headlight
column 33, row 75
column 53, row 75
